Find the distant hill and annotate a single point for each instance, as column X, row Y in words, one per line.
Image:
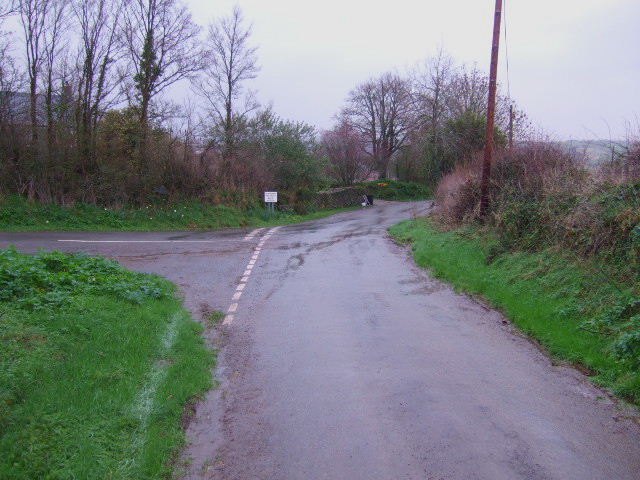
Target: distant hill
column 596, row 151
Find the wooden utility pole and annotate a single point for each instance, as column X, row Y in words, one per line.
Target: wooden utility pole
column 491, row 112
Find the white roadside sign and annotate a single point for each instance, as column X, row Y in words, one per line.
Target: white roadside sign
column 270, row 197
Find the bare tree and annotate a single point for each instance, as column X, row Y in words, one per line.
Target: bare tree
column 11, row 79
column 98, row 22
column 345, row 148
column 231, row 61
column 8, row 71
column 467, row 95
column 163, row 47
column 7, row 8
column 33, row 17
column 432, row 86
column 469, row 89
column 383, row 110
column 54, row 42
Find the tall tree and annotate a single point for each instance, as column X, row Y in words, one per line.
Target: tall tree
column 383, row 110
column 345, row 148
column 231, row 62
column 33, row 18
column 432, row 88
column 54, row 43
column 98, row 22
column 163, row 47
column 469, row 90
column 8, row 70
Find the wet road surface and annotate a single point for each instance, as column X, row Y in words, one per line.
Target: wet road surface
column 342, row 360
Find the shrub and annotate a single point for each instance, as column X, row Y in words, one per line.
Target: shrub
column 542, row 195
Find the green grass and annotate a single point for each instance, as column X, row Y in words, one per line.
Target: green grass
column 17, row 214
column 97, row 366
column 214, row 318
column 573, row 307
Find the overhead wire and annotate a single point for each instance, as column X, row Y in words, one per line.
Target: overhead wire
column 506, row 48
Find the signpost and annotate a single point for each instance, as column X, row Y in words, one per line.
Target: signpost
column 271, row 198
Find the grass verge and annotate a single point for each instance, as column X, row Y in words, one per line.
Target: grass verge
column 572, row 307
column 17, row 214
column 97, row 365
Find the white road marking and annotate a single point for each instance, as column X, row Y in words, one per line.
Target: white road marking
column 228, row 319
column 252, row 233
column 140, row 241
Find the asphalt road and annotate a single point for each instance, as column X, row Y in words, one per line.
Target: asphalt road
column 341, row 360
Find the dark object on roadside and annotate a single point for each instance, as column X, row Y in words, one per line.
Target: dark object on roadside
column 368, row 200
column 161, row 190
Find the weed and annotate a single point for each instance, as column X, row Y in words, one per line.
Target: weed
column 214, row 318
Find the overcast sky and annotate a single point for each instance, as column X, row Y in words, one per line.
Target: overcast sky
column 574, row 64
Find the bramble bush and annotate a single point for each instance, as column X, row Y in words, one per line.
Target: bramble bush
column 542, row 195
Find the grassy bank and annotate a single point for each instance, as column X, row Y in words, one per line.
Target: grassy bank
column 576, row 308
column 17, row 214
column 97, row 364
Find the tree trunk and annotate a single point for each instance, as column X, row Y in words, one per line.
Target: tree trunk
column 33, row 111
column 144, row 130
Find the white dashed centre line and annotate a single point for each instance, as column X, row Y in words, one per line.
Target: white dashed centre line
column 138, row 241
column 228, row 319
column 253, row 233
